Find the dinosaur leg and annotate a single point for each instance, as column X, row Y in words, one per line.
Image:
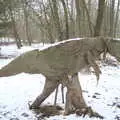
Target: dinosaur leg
column 49, row 87
column 75, row 100
column 74, row 96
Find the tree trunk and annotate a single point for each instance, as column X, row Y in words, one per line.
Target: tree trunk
column 71, row 19
column 89, row 5
column 74, row 97
column 66, row 20
column 56, row 20
column 116, row 18
column 99, row 17
column 105, row 21
column 27, row 27
column 44, row 28
column 48, row 25
column 78, row 18
column 15, row 32
column 112, row 5
column 88, row 17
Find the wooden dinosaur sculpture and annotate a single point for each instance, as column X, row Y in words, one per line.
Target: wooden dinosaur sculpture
column 60, row 61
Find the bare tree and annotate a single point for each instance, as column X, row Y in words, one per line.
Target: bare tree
column 66, row 19
column 88, row 17
column 27, row 26
column 60, row 19
column 99, row 17
column 116, row 18
column 56, row 19
column 112, row 7
column 15, row 32
column 71, row 14
column 78, row 18
column 48, row 24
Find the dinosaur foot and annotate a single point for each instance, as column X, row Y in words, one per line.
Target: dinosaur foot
column 32, row 106
column 88, row 111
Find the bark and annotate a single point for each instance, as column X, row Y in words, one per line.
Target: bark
column 116, row 18
column 112, row 5
column 88, row 17
column 15, row 32
column 71, row 19
column 78, row 18
column 66, row 19
column 89, row 5
column 48, row 25
column 105, row 21
column 99, row 19
column 44, row 28
column 27, row 27
column 56, row 19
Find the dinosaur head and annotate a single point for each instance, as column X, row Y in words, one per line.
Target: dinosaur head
column 114, row 48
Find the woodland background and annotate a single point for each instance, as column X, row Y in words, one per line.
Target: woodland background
column 29, row 21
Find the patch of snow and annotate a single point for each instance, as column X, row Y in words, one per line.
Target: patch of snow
column 116, row 39
column 9, row 50
column 6, row 39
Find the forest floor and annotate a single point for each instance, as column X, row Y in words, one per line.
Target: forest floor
column 19, row 90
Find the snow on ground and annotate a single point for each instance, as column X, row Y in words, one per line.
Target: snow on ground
column 16, row 91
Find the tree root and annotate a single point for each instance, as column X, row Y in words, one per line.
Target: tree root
column 48, row 110
column 88, row 111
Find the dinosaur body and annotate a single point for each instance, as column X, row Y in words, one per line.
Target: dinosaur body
column 58, row 62
column 65, row 58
